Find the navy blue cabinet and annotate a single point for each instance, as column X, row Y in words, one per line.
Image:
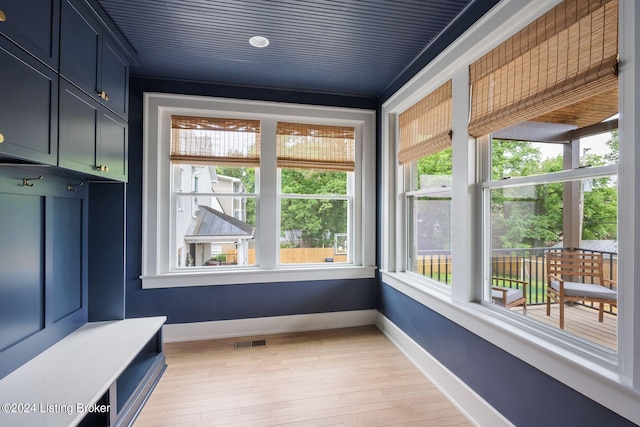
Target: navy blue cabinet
column 113, row 147
column 63, row 53
column 28, row 111
column 34, row 25
column 92, row 139
column 91, row 59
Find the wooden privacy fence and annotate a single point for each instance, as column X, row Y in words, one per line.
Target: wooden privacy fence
column 303, row 256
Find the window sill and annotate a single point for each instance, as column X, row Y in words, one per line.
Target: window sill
column 244, row 276
column 588, row 369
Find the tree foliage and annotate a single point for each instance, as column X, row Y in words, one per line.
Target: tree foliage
column 521, row 217
column 312, row 222
column 532, row 216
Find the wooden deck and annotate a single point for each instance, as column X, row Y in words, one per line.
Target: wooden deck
column 580, row 321
column 352, row 376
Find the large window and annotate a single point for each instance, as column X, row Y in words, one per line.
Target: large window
column 251, row 192
column 546, row 206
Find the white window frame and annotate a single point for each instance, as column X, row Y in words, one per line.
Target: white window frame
column 157, row 271
column 612, row 379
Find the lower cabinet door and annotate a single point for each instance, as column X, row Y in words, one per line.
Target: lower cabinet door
column 79, row 117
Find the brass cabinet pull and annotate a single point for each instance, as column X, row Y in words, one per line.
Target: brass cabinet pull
column 103, row 95
column 3, row 16
column 103, row 168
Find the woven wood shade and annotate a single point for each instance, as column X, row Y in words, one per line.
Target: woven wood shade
column 320, row 147
column 425, row 128
column 566, row 56
column 214, row 141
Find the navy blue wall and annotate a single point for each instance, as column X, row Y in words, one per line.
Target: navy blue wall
column 523, row 394
column 196, row 304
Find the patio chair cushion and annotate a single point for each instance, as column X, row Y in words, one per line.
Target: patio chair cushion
column 588, row 290
column 512, row 295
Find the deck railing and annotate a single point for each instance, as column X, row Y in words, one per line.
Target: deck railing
column 522, row 264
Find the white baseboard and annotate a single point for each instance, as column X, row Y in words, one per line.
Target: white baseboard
column 468, row 402
column 266, row 325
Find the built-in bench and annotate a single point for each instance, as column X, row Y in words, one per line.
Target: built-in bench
column 100, row 374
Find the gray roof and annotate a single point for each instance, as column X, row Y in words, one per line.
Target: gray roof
column 595, row 245
column 210, row 222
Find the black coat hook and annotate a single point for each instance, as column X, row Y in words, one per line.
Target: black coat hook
column 27, row 181
column 73, row 187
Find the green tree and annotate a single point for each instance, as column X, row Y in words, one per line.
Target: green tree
column 316, row 219
column 513, row 158
column 613, row 144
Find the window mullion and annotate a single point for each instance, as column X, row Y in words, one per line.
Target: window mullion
column 268, row 201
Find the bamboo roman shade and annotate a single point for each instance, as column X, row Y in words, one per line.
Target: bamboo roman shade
column 214, row 141
column 564, row 57
column 425, row 128
column 320, row 147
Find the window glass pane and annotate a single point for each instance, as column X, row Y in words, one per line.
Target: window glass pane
column 307, row 181
column 429, row 203
column 510, row 159
column 314, row 230
column 530, row 222
column 600, row 149
column 216, row 226
column 430, row 236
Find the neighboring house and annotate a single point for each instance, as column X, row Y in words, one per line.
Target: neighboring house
column 209, row 226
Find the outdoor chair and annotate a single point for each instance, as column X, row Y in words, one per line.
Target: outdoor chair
column 578, row 276
column 509, row 292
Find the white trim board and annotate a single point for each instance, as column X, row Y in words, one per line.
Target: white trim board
column 178, row 332
column 477, row 410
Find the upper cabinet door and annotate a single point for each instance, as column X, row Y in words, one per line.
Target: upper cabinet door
column 34, row 25
column 114, row 78
column 29, row 107
column 79, row 46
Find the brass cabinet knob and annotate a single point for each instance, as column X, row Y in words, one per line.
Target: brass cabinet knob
column 1, row 138
column 103, row 168
column 103, row 95
column 3, row 16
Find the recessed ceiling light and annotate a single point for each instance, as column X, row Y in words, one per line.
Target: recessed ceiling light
column 259, row 41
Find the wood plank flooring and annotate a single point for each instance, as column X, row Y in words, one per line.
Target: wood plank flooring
column 580, row 321
column 340, row 377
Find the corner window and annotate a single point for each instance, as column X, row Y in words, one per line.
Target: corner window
column 251, row 192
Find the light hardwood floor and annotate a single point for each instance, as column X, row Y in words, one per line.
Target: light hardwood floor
column 341, row 377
